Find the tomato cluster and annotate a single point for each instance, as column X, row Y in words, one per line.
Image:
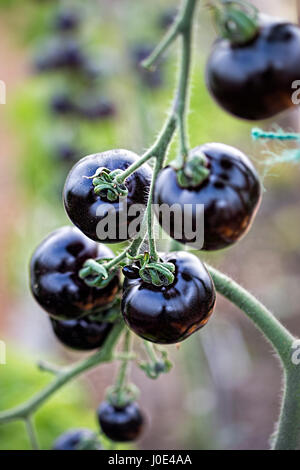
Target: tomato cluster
column 165, row 297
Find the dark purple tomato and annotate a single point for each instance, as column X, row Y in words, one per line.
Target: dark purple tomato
column 58, row 54
column 228, row 199
column 66, row 152
column 254, row 80
column 54, row 278
column 77, row 439
column 97, row 109
column 97, row 217
column 66, row 20
column 149, row 78
column 170, row 314
column 167, row 18
column 83, row 334
column 121, row 424
column 61, row 103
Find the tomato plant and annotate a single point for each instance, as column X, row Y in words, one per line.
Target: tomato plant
column 165, row 297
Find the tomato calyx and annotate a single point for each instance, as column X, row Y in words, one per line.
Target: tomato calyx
column 106, row 185
column 157, row 366
column 193, row 172
column 236, row 20
column 121, row 397
column 152, row 271
column 95, row 274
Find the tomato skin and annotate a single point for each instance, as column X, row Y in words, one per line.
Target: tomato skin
column 83, row 334
column 82, row 204
column 54, row 279
column 121, row 424
column 72, row 439
column 231, row 196
column 254, row 81
column 167, row 315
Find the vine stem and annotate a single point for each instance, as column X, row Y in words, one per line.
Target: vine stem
column 31, row 433
column 121, row 378
column 150, row 351
column 67, row 374
column 287, row 432
column 182, row 27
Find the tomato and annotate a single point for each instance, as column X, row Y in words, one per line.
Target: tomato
column 170, row 314
column 121, row 424
column 89, row 211
column 230, row 196
column 54, row 279
column 77, row 439
column 254, row 80
column 84, row 334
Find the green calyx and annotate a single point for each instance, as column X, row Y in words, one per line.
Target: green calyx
column 89, row 444
column 95, row 274
column 155, row 272
column 193, row 172
column 121, row 397
column 236, row 20
column 106, row 185
column 157, row 367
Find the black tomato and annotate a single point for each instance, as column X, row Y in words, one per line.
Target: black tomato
column 254, row 80
column 66, row 20
column 55, row 283
column 62, row 104
column 149, row 78
column 83, row 334
column 230, row 197
column 167, row 18
column 170, row 314
column 121, row 424
column 97, row 217
column 98, row 109
column 66, row 152
column 77, row 439
column 60, row 54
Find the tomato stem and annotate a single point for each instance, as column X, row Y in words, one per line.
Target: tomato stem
column 105, row 354
column 287, row 432
column 123, row 372
column 30, row 428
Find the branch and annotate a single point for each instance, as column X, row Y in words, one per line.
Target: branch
column 180, row 25
column 287, row 432
column 280, row 338
column 105, row 354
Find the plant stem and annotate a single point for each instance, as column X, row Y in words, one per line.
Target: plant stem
column 151, row 237
column 182, row 26
column 132, row 168
column 30, row 428
column 287, row 433
column 124, row 367
column 105, row 354
column 179, row 25
column 150, row 351
column 280, row 338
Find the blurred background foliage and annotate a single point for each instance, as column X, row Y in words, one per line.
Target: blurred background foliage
column 220, row 394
